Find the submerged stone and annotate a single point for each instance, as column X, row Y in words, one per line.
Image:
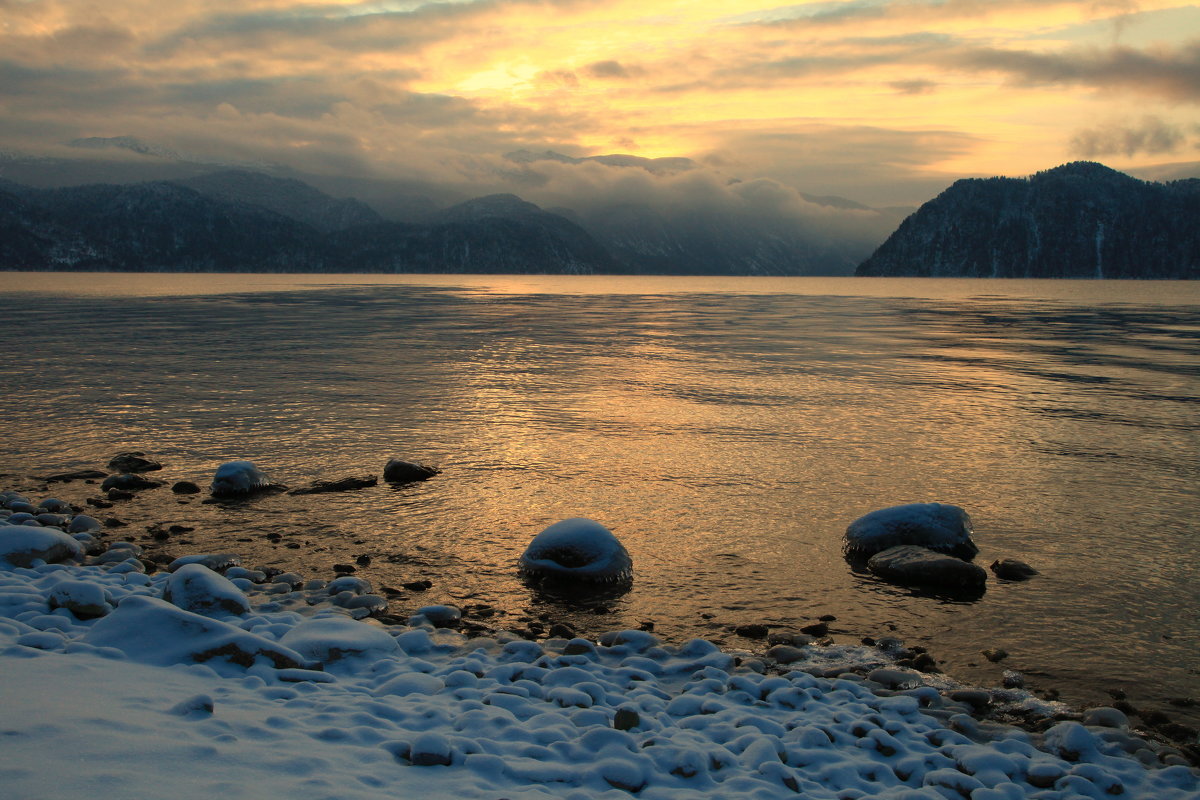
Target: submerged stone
column 920, row 566
column 400, row 471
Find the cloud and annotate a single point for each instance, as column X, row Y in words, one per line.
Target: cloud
column 1151, row 136
column 612, row 69
column 913, row 86
column 1170, row 73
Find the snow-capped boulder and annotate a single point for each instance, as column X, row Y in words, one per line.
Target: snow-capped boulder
column 84, row 599
column 153, row 631
column 28, row 546
column 196, row 588
column 438, row 616
column 217, row 562
column 937, row 526
column 81, row 523
column 237, row 478
column 577, row 549
column 329, row 639
column 400, row 471
column 919, row 566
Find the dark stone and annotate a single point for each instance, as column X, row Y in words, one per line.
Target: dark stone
column 363, row 561
column 925, row 663
column 560, row 630
column 995, row 654
column 918, row 566
column 113, row 522
column 978, row 699
column 185, row 487
column 646, row 626
column 96, row 502
column 129, row 482
column 180, row 529
column 400, row 471
column 752, row 631
column 626, row 719
column 120, row 494
column 341, row 485
column 418, row 586
column 1010, row 569
column 816, row 629
column 133, row 462
column 827, row 618
column 344, row 569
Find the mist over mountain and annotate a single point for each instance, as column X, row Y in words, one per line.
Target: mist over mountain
column 1079, row 220
column 663, row 215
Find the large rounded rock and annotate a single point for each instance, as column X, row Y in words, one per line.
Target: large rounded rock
column 577, row 550
column 937, row 526
column 196, row 588
column 919, row 566
column 400, row 471
column 28, row 546
column 237, row 479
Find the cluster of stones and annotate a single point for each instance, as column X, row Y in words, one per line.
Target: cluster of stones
column 925, row 545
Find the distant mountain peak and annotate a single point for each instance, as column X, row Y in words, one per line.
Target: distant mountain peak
column 492, row 205
column 1078, row 220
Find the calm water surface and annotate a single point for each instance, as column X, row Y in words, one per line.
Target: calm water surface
column 726, row 429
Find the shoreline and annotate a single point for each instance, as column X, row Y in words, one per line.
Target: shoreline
column 880, row 648
column 978, row 716
column 625, row 715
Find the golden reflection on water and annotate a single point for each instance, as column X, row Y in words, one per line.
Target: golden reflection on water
column 726, row 438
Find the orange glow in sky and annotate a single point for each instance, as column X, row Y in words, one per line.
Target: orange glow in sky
column 878, row 91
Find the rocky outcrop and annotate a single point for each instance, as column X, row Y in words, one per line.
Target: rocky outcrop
column 1080, row 220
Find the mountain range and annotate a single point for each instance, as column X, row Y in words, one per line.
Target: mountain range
column 242, row 220
column 1077, row 220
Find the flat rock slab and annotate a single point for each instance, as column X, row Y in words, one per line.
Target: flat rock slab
column 133, row 462
column 342, row 485
column 919, row 566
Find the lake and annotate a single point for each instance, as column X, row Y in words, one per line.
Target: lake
column 726, row 429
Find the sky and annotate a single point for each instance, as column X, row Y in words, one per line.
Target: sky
column 882, row 101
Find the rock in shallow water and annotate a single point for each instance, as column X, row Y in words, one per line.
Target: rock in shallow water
column 920, row 566
column 238, row 478
column 340, row 485
column 578, row 550
column 937, row 526
column 400, row 471
column 1010, row 569
column 133, row 462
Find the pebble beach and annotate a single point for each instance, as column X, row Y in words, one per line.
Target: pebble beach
column 124, row 677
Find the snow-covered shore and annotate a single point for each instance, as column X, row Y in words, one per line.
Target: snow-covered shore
column 257, row 686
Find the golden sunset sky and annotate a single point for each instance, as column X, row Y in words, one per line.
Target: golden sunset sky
column 882, row 101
